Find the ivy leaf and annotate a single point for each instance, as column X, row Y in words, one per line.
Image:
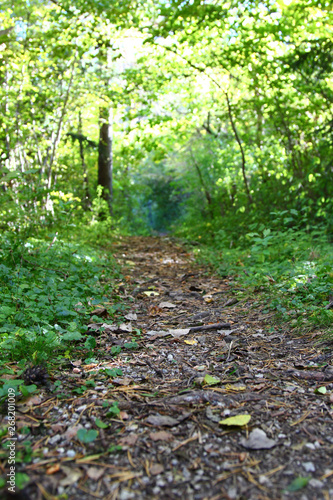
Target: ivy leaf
column 87, row 436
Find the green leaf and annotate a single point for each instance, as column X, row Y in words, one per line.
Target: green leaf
column 115, row 349
column 209, row 380
column 21, row 480
column 27, row 389
column 87, row 436
column 321, row 390
column 90, row 343
column 298, row 483
column 113, row 372
column 101, row 424
column 238, row 420
column 131, row 345
column 72, row 336
column 113, row 410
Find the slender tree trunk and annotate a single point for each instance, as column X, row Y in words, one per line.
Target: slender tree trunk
column 86, row 199
column 59, row 126
column 204, row 187
column 105, row 159
column 233, row 126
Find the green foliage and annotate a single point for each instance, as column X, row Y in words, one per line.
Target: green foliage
column 47, row 294
column 87, row 436
column 291, row 266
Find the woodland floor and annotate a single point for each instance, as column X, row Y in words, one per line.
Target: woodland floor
column 194, row 331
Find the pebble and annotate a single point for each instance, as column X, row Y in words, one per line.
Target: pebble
column 309, row 466
column 61, row 450
column 70, row 453
column 170, row 357
column 156, row 490
column 54, row 439
column 315, row 483
column 311, row 446
column 232, row 493
column 81, row 408
column 125, row 495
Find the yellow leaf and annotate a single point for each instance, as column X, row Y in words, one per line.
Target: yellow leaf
column 209, row 380
column 151, row 294
column 191, row 342
column 238, row 420
column 231, row 387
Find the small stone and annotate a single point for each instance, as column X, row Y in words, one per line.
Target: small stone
column 309, row 466
column 311, row 446
column 126, row 495
column 54, row 439
column 70, row 453
column 232, row 493
column 315, row 483
column 61, row 450
column 170, row 357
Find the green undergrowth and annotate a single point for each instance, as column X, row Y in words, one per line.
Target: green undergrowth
column 49, row 288
column 290, row 270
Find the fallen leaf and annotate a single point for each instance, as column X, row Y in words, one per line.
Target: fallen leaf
column 131, row 316
column 72, row 432
column 149, row 293
column 129, row 440
column 298, row 483
column 191, row 342
column 179, row 332
column 167, row 305
column 52, row 469
column 156, row 469
column 161, row 436
column 231, row 302
column 72, row 476
column 321, row 390
column 125, row 327
column 238, row 420
column 95, row 473
column 258, row 440
column 162, row 420
column 209, row 380
column 99, row 312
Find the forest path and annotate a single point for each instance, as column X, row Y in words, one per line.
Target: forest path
column 193, row 331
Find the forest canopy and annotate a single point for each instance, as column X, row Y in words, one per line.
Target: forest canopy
column 196, row 117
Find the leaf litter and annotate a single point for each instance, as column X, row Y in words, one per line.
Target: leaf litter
column 195, row 394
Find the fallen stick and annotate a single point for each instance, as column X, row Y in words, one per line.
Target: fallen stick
column 215, row 326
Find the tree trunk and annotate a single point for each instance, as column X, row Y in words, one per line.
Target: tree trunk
column 86, row 200
column 233, row 126
column 105, row 160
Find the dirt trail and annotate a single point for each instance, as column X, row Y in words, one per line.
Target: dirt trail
column 173, row 444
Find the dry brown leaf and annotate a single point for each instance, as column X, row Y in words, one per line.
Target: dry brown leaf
column 161, row 436
column 95, row 473
column 53, row 469
column 129, row 440
column 156, row 469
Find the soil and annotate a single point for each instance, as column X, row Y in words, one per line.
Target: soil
column 195, row 350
